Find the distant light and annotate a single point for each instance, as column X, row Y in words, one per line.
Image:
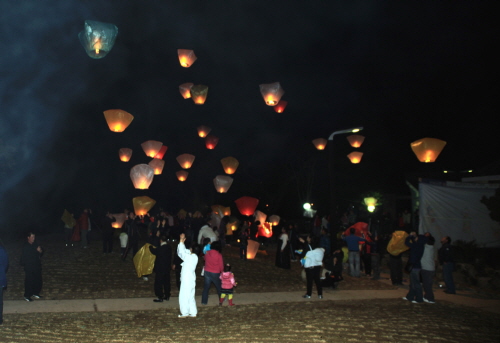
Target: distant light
column 306, row 206
column 355, row 130
column 470, row 171
column 371, row 208
column 445, row 171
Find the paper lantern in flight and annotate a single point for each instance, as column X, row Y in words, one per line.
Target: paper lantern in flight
column 151, row 148
column 211, row 142
column 118, row 120
column 272, row 93
column 185, row 160
column 247, row 205
column 199, row 94
column 355, row 157
column 162, row 152
column 203, row 131
column 120, row 220
column 125, row 154
column 185, row 90
column 182, row 175
column 356, row 140
column 157, row 165
column 280, row 107
column 427, row 150
column 186, row 57
column 143, row 204
column 98, row 38
column 142, row 176
column 252, row 248
column 320, row 143
column 230, row 164
column 265, row 230
column 222, row 183
column 260, row 216
column 370, row 203
column 274, row 219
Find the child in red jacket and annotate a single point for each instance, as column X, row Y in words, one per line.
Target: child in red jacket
column 227, row 285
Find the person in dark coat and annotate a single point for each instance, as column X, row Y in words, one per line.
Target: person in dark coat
column 32, row 263
column 163, row 265
column 107, row 233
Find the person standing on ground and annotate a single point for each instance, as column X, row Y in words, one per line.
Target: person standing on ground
column 214, row 265
column 428, row 268
column 189, row 254
column 354, row 254
column 227, row 283
column 4, row 266
column 312, row 264
column 447, row 260
column 417, row 246
column 283, row 251
column 83, row 223
column 107, row 233
column 163, row 265
column 32, row 263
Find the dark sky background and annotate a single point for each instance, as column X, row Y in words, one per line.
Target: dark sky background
column 402, row 70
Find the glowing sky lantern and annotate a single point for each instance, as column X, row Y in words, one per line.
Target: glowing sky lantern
column 274, row 219
column 162, row 152
column 98, row 38
column 185, row 90
column 151, row 148
column 247, row 205
column 230, row 164
column 222, row 183
column 203, row 131
column 320, row 143
column 120, row 220
column 185, row 160
column 356, row 140
column 211, row 142
column 252, row 248
column 186, row 57
column 182, row 175
column 199, row 94
column 272, row 93
column 125, row 154
column 370, row 203
column 355, row 157
column 265, row 230
column 118, row 120
column 427, row 150
column 142, row 176
column 157, row 165
column 260, row 216
column 280, row 107
column 142, row 205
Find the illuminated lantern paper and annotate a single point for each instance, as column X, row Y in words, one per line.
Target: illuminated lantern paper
column 216, row 209
column 203, row 131
column 185, row 160
column 246, row 205
column 226, row 211
column 182, row 175
column 199, row 94
column 230, row 164
column 265, row 230
column 231, row 227
column 370, row 203
column 98, row 38
column 211, row 142
column 151, row 148
column 142, row 176
column 118, row 120
column 120, row 220
column 360, row 229
column 320, row 143
column 125, row 154
column 356, row 140
column 186, row 57
column 185, row 90
column 272, row 93
column 355, row 157
column 222, row 183
column 397, row 245
column 142, row 205
column 157, row 165
column 68, row 219
column 162, row 152
column 280, row 107
column 427, row 150
column 274, row 219
column 252, row 248
column 260, row 216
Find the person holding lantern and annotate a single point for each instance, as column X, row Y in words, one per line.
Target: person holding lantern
column 188, row 252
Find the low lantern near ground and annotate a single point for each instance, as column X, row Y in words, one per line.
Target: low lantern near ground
column 230, row 164
column 162, row 152
column 151, row 148
column 355, row 157
column 252, row 248
column 320, row 143
column 272, row 93
column 157, row 165
column 186, row 57
column 211, row 142
column 142, row 205
column 427, row 150
column 142, row 176
column 118, row 120
column 120, row 220
column 370, row 203
column 265, row 230
column 246, row 205
column 185, row 160
column 274, row 219
column 280, row 107
column 199, row 94
column 125, row 154
column 98, row 38
column 222, row 183
column 203, row 131
column 185, row 89
column 182, row 175
column 356, row 140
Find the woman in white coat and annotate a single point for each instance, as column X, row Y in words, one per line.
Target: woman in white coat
column 187, row 303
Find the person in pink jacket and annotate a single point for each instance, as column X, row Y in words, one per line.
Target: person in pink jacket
column 227, row 285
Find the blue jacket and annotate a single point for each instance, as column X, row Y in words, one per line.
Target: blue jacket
column 4, row 265
column 416, row 249
column 353, row 242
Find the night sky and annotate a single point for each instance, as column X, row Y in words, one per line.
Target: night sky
column 402, row 70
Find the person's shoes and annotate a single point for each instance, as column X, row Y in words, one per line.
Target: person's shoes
column 429, row 301
column 320, row 296
column 306, row 296
column 145, row 278
column 36, row 296
column 404, row 298
column 181, row 316
column 416, row 302
column 192, row 316
column 448, row 292
column 28, row 299
column 158, row 300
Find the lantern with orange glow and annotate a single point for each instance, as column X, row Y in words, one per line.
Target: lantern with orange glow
column 98, row 38
column 118, row 120
column 274, row 219
column 320, row 143
column 370, row 203
column 271, row 92
column 142, row 205
column 231, row 227
column 182, row 175
column 355, row 157
column 246, row 205
column 120, row 220
column 356, row 140
column 216, row 209
column 157, row 165
column 265, row 230
column 186, row 57
column 280, row 107
column 226, row 211
column 222, row 183
column 252, row 248
column 142, row 176
column 203, row 131
column 125, row 154
column 185, row 160
column 151, row 148
column 185, row 89
column 199, row 94
column 230, row 164
column 162, row 152
column 427, row 150
column 260, row 216
column 211, row 142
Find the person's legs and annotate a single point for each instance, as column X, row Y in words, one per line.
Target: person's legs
column 427, row 279
column 209, row 279
column 357, row 262
column 83, row 237
column 1, row 304
column 448, row 277
column 317, row 280
column 352, row 257
column 158, row 286
column 309, row 278
column 375, row 266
